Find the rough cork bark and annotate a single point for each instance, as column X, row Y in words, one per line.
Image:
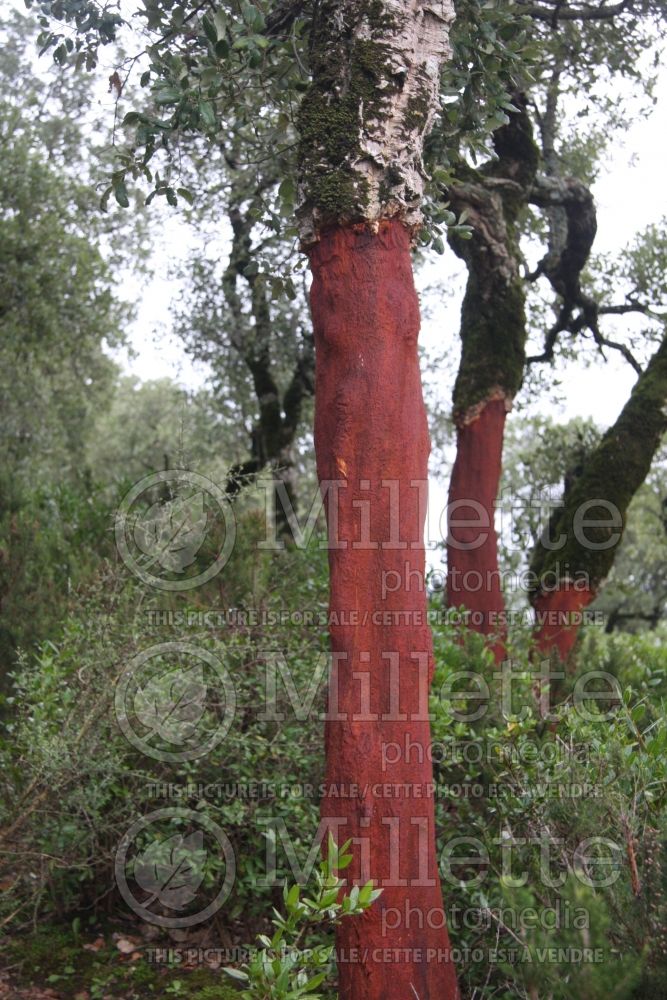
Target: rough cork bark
column 375, row 91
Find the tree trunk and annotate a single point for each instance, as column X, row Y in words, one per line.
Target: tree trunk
column 371, row 436
column 375, row 91
column 274, row 435
column 585, row 531
column 493, row 337
column 555, row 614
column 473, row 578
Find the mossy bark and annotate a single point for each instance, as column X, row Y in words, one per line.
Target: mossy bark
column 578, row 550
column 374, row 93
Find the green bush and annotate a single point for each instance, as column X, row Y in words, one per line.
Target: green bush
column 73, row 784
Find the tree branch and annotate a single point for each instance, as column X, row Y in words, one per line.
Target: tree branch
column 587, row 12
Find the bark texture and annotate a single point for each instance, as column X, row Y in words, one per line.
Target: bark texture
column 612, row 474
column 374, row 93
column 371, row 435
column 376, row 81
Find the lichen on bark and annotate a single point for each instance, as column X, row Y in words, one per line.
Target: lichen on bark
column 362, row 123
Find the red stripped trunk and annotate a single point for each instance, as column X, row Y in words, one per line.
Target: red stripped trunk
column 371, row 438
column 473, row 578
column 558, row 619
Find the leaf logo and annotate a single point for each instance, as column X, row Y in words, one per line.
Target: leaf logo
column 172, row 533
column 172, row 870
column 172, row 703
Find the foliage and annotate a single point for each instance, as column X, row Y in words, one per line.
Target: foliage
column 507, row 778
column 235, row 77
column 58, row 312
column 283, row 969
column 51, row 540
column 156, row 424
column 523, row 787
column 72, row 780
column 58, row 318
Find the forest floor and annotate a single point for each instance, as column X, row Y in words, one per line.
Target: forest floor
column 56, row 963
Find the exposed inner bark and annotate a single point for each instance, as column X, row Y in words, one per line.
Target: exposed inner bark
column 556, row 615
column 473, row 579
column 371, row 436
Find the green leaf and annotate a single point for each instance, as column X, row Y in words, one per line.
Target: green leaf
column 207, row 114
column 328, row 898
column 120, row 193
column 366, row 892
column 209, row 29
column 287, row 190
column 242, row 977
column 220, row 22
column 168, row 95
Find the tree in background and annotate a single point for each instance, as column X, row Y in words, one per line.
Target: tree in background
column 58, row 313
column 536, row 480
column 240, row 313
column 575, row 44
column 493, row 336
column 584, row 532
column 60, row 316
column 147, row 426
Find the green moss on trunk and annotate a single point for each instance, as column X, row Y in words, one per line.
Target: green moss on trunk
column 613, row 472
column 362, row 122
column 333, row 111
column 493, row 337
column 493, row 319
